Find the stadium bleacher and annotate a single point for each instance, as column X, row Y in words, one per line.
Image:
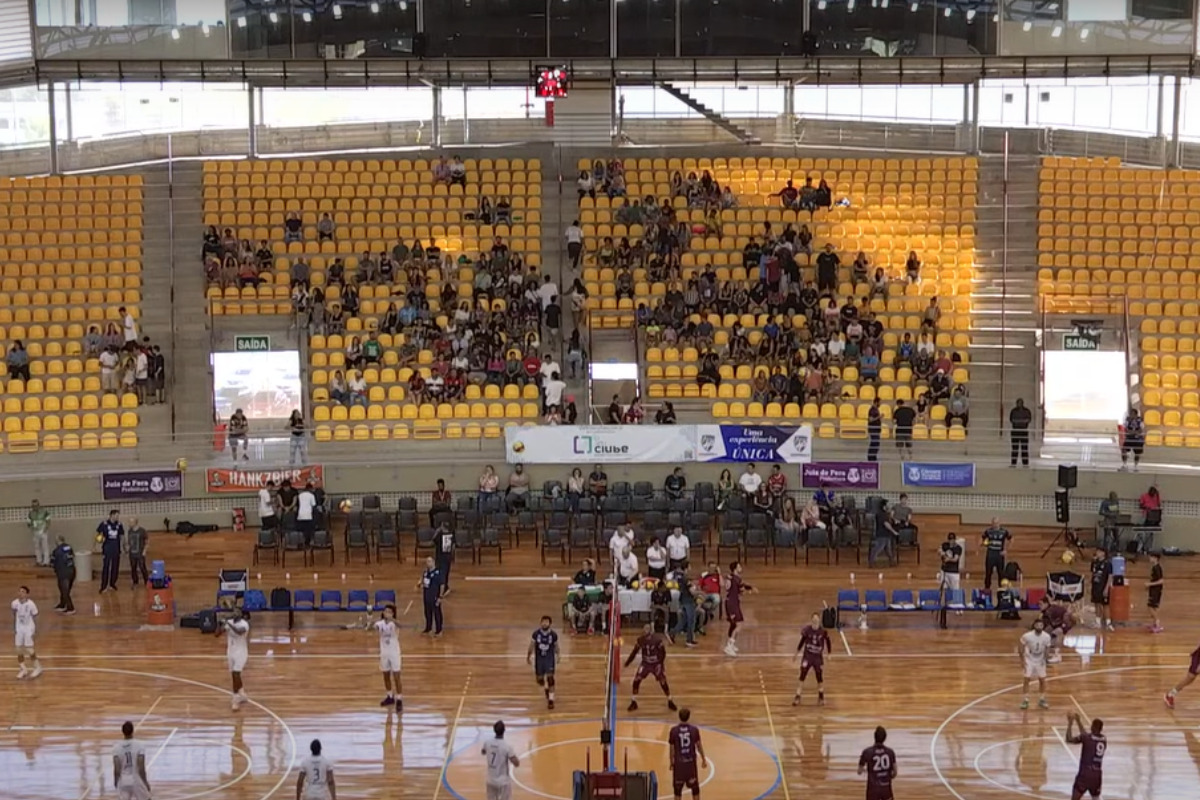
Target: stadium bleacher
column 71, row 257
column 883, row 207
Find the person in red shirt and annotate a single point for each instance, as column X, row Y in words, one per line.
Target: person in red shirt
column 710, row 584
column 777, row 483
column 533, row 366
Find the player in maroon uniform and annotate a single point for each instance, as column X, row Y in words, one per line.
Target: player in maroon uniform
column 685, row 746
column 653, row 648
column 1091, row 757
column 1193, row 671
column 1057, row 619
column 814, row 644
column 879, row 762
column 733, row 605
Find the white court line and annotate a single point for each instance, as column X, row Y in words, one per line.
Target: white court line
column 450, row 743
column 1062, row 739
column 940, row 656
column 1087, row 717
column 408, row 608
column 91, row 787
column 68, row 728
column 1016, row 789
column 511, row 578
column 845, row 642
column 161, row 747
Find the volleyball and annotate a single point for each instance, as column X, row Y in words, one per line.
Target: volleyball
column 99, row 538
column 518, row 447
column 181, row 464
column 1068, row 556
column 345, row 505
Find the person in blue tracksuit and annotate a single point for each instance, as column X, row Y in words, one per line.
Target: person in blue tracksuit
column 432, row 586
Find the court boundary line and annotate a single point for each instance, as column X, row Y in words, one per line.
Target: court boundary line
column 91, row 787
column 762, row 682
column 178, row 679
column 462, row 701
column 937, row 734
column 941, row 656
column 1016, row 790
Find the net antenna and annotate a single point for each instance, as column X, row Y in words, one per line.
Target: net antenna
column 612, row 680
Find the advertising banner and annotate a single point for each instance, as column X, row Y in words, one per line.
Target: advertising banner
column 600, row 444
column 945, row 476
column 763, row 444
column 840, row 475
column 149, row 485
column 249, row 481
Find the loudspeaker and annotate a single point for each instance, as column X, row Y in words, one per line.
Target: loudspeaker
column 1068, row 476
column 1062, row 505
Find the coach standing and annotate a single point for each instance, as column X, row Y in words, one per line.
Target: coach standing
column 39, row 524
column 431, row 587
column 63, row 561
column 444, row 542
column 995, row 543
column 111, row 534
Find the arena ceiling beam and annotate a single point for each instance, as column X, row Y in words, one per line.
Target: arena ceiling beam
column 624, row 71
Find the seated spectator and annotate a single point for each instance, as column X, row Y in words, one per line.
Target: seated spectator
column 354, row 353
column 458, row 172
column 922, row 367
column 553, row 415
column 933, row 313
column 879, row 284
column 93, row 342
column 336, row 276
column 808, row 196
column 905, row 351
column 939, row 386
column 824, row 196
column 417, row 388
column 18, row 361
column 634, row 413
column 264, row 256
column 675, row 484
column 358, row 389
column 248, row 274
column 325, row 228
column 586, row 184
column 665, row 414
column 789, row 196
column 750, row 480
column 212, row 243
column 597, row 482
column 868, row 366
column 810, row 517
column 338, row 391
column 503, row 211
column 922, row 406
column 787, row 525
column 372, row 349
column 762, row 502
column 925, row 345
column 615, row 186
column 441, row 171
column 777, row 484
column 229, row 243
column 958, row 408
column 517, row 494
column 912, row 267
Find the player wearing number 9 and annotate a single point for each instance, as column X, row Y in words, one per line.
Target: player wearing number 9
column 879, row 762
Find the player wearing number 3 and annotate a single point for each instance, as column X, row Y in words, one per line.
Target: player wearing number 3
column 1033, row 649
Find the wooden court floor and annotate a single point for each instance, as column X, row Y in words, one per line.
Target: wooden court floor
column 949, row 698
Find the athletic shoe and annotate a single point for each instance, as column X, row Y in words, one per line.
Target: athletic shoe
column 22, row 673
column 1055, row 658
column 1025, row 704
column 1043, row 704
column 690, row 644
column 550, row 705
column 36, row 671
column 388, row 701
column 1109, row 627
column 671, row 705
column 729, row 651
column 70, row 613
column 632, row 705
column 1170, row 701
column 820, row 699
column 795, row 701
column 1156, row 629
column 399, row 705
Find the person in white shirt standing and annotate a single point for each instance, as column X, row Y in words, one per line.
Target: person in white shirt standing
column 315, row 781
column 627, row 568
column 129, row 767
column 678, row 546
column 306, row 502
column 1033, row 649
column 237, row 651
column 547, row 291
column 499, row 755
column 656, row 559
column 129, row 324
column 750, row 481
column 622, row 539
column 553, row 389
column 25, row 611
column 267, row 518
column 108, row 370
column 389, row 656
column 141, row 373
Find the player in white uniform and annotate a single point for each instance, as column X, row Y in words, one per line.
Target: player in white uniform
column 237, row 634
column 499, row 755
column 315, row 781
column 389, row 655
column 129, row 767
column 1033, row 650
column 25, row 611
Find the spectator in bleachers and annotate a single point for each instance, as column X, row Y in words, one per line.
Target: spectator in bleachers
column 943, row 362
column 248, row 274
column 503, row 211
column 237, row 432
column 441, row 171
column 933, row 313
column 358, row 389
column 615, row 186
column 575, row 489
column 827, row 269
column 458, row 172
column 586, row 184
column 750, row 480
column 824, row 196
column 868, row 365
column 553, row 416
column 212, row 243
column 789, row 196
column 912, row 267
column 728, row 198
column 860, row 269
column 939, row 386
column 925, row 345
column 922, row 367
column 958, row 408
column 354, row 353
column 229, row 243
column 18, row 361
column 372, row 349
column 293, row 228
column 264, row 256
column 325, row 228
column 93, row 342
column 808, row 196
column 158, row 375
column 335, row 319
column 109, row 378
column 518, row 488
column 634, row 414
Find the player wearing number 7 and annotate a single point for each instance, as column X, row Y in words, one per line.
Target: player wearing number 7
column 499, row 755
column 129, row 767
column 879, row 762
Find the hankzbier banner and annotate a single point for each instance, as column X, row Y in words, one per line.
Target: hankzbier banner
column 600, row 444
column 759, row 443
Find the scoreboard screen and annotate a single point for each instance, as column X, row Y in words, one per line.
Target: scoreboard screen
column 552, row 81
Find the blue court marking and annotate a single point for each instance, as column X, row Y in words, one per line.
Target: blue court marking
column 763, row 749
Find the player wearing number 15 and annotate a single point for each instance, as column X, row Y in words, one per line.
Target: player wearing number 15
column 543, row 654
column 879, row 762
column 315, row 781
column 684, row 740
column 129, row 767
column 1091, row 757
column 499, row 755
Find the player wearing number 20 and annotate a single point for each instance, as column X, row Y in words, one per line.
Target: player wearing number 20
column 879, row 762
column 684, row 740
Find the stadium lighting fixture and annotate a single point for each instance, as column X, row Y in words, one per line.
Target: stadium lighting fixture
column 374, row 8
column 970, row 15
column 949, row 11
column 914, row 7
column 849, row 5
column 884, row 4
column 821, row 5
column 404, row 5
column 175, row 34
column 337, row 11
column 874, row 3
column 205, row 29
column 1057, row 30
column 1027, row 26
column 274, row 17
column 306, row 16
column 241, row 22
column 1083, row 34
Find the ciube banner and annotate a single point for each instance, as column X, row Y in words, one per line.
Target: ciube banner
column 758, row 443
column 840, row 475
column 148, row 485
column 600, row 444
column 249, row 481
column 952, row 476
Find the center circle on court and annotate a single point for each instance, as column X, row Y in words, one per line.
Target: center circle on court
column 739, row 768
